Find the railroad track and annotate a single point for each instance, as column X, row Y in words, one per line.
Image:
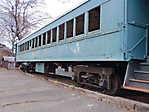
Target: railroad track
column 128, row 94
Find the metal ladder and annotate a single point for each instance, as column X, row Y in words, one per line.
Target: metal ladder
column 137, row 76
column 137, row 73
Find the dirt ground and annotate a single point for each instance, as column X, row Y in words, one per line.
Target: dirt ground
column 21, row 93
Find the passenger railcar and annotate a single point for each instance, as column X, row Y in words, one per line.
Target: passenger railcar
column 101, row 43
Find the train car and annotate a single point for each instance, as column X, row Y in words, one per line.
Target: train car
column 101, row 43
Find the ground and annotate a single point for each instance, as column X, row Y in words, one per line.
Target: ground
column 21, row 93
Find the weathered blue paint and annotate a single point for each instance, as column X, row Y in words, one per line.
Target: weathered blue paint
column 137, row 18
column 115, row 41
column 40, row 67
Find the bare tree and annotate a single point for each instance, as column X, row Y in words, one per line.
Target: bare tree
column 19, row 17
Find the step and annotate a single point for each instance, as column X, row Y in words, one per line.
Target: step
column 137, row 89
column 145, row 63
column 140, row 81
column 144, row 72
column 142, row 68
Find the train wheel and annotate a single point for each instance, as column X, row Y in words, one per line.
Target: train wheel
column 78, row 80
column 114, row 86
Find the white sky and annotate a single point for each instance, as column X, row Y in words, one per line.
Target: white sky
column 57, row 8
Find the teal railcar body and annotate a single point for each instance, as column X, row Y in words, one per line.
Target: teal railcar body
column 118, row 37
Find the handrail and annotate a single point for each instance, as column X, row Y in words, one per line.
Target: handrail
column 137, row 25
column 139, row 42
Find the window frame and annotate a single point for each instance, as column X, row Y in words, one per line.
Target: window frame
column 33, row 43
column 78, row 23
column 54, row 35
column 49, row 36
column 70, row 27
column 61, row 32
column 99, row 19
column 40, row 41
column 44, row 38
column 36, row 42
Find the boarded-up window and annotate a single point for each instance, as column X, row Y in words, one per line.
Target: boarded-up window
column 61, row 32
column 70, row 28
column 80, row 25
column 20, row 48
column 33, row 43
column 36, row 42
column 54, row 34
column 94, row 19
column 49, row 37
column 44, row 39
column 25, row 46
column 40, row 40
column 28, row 45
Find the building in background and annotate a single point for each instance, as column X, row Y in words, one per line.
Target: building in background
column 4, row 51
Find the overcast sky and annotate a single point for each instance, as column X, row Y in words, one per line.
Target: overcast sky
column 57, row 8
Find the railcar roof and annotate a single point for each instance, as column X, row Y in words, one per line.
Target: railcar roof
column 53, row 21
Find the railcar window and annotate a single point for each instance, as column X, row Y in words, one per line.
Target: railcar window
column 39, row 41
column 70, row 28
column 54, row 34
column 61, row 31
column 94, row 19
column 27, row 45
column 36, row 41
column 20, row 48
column 23, row 47
column 49, row 37
column 33, row 43
column 80, row 24
column 30, row 43
column 44, row 38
